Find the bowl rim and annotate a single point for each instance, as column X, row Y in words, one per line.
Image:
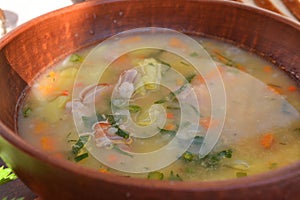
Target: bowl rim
column 274, row 176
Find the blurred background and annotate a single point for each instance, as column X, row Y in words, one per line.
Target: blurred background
column 17, row 12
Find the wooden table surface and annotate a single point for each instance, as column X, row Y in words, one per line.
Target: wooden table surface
column 15, row 189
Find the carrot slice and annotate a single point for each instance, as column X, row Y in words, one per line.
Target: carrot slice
column 39, row 127
column 292, row 88
column 207, row 122
column 267, row 69
column 177, row 43
column 65, row 93
column 267, row 140
column 274, row 88
column 200, row 79
column 47, row 143
column 112, row 158
column 130, row 40
column 170, row 115
column 170, row 127
column 103, row 170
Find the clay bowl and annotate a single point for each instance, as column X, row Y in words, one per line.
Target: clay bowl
column 47, row 39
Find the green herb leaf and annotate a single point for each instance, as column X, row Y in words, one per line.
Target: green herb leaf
column 181, row 89
column 79, row 144
column 223, row 59
column 26, row 111
column 190, row 78
column 241, row 174
column 164, row 63
column 165, row 131
column 155, row 175
column 161, row 101
column 198, row 140
column 81, row 157
column 134, row 108
column 112, row 119
column 122, row 133
column 225, row 153
column 194, row 54
column 188, row 156
column 173, row 177
column 6, row 175
column 76, row 58
column 184, row 63
column 173, row 107
column 213, row 160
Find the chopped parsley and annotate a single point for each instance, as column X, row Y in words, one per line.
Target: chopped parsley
column 75, row 58
column 155, row 175
column 26, row 111
column 79, row 144
column 174, row 177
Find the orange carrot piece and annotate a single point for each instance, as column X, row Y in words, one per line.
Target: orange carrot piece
column 275, row 89
column 242, row 68
column 292, row 88
column 65, row 93
column 177, row 43
column 103, row 170
column 207, row 122
column 130, row 40
column 47, row 143
column 47, row 89
column 170, row 115
column 267, row 140
column 200, row 79
column 39, row 127
column 170, row 127
column 112, row 158
column 221, row 57
column 267, row 69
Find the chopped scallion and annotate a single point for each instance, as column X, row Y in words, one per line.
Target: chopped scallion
column 26, row 111
column 81, row 157
column 155, row 175
column 79, row 144
column 174, row 177
column 76, row 58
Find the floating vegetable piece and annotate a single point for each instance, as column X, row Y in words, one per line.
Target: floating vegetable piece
column 155, row 175
column 81, row 157
column 151, row 76
column 188, row 156
column 79, row 144
column 76, row 58
column 267, row 140
column 26, row 111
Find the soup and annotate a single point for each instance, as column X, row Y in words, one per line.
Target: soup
column 261, row 130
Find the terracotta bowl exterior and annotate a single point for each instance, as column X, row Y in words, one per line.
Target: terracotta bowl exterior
column 47, row 39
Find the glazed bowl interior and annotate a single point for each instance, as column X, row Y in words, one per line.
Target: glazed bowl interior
column 48, row 39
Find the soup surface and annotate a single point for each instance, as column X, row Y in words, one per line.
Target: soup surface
column 261, row 130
